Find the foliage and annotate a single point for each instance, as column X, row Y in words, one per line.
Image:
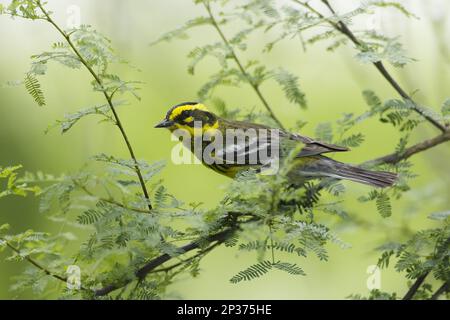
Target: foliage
column 426, row 251
column 233, row 71
column 126, row 219
column 34, row 89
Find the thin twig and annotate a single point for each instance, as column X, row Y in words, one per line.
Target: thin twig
column 199, row 254
column 34, row 262
column 108, row 200
column 345, row 30
column 108, row 99
column 408, row 152
column 240, row 65
column 220, row 237
column 272, row 247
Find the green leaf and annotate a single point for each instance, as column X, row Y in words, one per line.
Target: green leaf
column 373, row 101
column 34, row 89
column 290, row 268
column 228, row 77
column 353, row 141
column 383, row 203
column 446, row 108
column 199, row 53
column 401, row 146
column 397, row 104
column 392, row 51
column 383, row 261
column 252, row 272
column 90, row 216
column 290, row 86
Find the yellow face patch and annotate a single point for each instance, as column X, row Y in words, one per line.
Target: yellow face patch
column 194, row 131
column 177, row 111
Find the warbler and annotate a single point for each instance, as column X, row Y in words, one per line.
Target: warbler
column 238, row 146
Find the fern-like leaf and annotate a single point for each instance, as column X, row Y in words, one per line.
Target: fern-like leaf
column 384, row 205
column 324, row 132
column 289, row 84
column 89, row 217
column 34, row 89
column 352, row 141
column 290, row 268
column 252, row 272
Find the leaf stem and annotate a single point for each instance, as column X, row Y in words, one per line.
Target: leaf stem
column 108, row 98
column 240, row 65
column 271, row 243
column 345, row 30
column 108, row 200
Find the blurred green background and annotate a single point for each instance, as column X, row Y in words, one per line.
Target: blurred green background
column 332, row 82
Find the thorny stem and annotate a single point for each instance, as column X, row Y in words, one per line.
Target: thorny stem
column 108, row 98
column 345, row 30
column 240, row 65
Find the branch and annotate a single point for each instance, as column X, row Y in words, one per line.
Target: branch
column 219, row 237
column 240, row 66
column 443, row 289
column 201, row 253
column 107, row 97
column 345, row 30
column 108, row 200
column 416, row 285
column 223, row 235
column 34, row 262
column 419, row 147
column 140, row 274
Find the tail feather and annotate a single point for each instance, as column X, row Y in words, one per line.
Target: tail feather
column 335, row 169
column 380, row 179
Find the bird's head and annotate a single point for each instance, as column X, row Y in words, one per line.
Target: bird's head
column 191, row 116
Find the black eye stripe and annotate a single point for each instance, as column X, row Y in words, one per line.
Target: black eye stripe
column 197, row 115
column 183, row 115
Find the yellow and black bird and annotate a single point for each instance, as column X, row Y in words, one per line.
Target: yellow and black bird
column 308, row 163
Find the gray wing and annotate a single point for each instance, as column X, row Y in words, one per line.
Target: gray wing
column 247, row 151
column 262, row 149
column 314, row 147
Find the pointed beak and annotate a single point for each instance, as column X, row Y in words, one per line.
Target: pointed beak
column 165, row 124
